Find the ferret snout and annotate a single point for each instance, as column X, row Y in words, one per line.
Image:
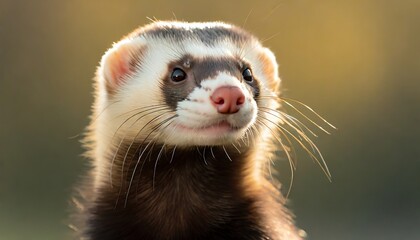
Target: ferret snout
column 228, row 99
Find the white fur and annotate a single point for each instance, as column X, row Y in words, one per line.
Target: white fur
column 199, row 112
column 142, row 89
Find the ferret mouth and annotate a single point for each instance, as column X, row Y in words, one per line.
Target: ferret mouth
column 223, row 127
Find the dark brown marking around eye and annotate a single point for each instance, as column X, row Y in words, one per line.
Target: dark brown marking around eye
column 201, row 69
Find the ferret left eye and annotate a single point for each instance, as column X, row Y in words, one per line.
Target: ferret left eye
column 247, row 75
column 178, row 75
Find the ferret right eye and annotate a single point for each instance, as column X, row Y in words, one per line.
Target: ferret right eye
column 247, row 75
column 178, row 75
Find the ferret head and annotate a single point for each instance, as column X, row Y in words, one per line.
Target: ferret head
column 184, row 84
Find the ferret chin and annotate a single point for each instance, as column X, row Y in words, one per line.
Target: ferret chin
column 185, row 119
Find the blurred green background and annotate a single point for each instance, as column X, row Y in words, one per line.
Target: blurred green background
column 356, row 62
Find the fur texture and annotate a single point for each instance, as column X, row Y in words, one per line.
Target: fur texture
column 166, row 163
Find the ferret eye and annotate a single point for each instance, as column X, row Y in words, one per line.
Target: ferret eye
column 247, row 75
column 178, row 75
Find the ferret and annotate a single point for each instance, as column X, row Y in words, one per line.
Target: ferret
column 184, row 123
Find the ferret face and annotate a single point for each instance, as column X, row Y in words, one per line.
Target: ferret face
column 184, row 84
column 214, row 99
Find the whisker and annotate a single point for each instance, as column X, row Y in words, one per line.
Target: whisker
column 103, row 110
column 152, row 20
column 299, row 124
column 269, row 169
column 271, row 37
column 132, row 175
column 119, row 145
column 147, row 108
column 310, row 120
column 224, row 149
column 239, row 143
column 132, row 142
column 138, row 160
column 113, row 161
column 283, row 99
column 323, row 167
column 173, row 154
column 173, row 14
column 127, row 151
column 247, row 16
column 294, row 158
column 212, row 153
column 132, row 116
column 138, row 133
column 301, row 134
column 237, row 149
column 251, row 132
column 272, row 11
column 245, row 136
column 156, row 163
column 280, row 141
column 293, row 119
column 292, row 165
column 310, row 109
column 204, row 155
column 95, row 118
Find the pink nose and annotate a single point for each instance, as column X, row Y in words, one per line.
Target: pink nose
column 228, row 99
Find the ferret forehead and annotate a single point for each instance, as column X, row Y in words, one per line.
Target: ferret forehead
column 209, row 33
column 208, row 67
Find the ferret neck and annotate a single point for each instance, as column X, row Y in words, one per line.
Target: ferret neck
column 184, row 191
column 158, row 167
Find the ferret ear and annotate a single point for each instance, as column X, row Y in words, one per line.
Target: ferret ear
column 270, row 69
column 120, row 62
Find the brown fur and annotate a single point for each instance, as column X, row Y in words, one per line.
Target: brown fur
column 155, row 191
